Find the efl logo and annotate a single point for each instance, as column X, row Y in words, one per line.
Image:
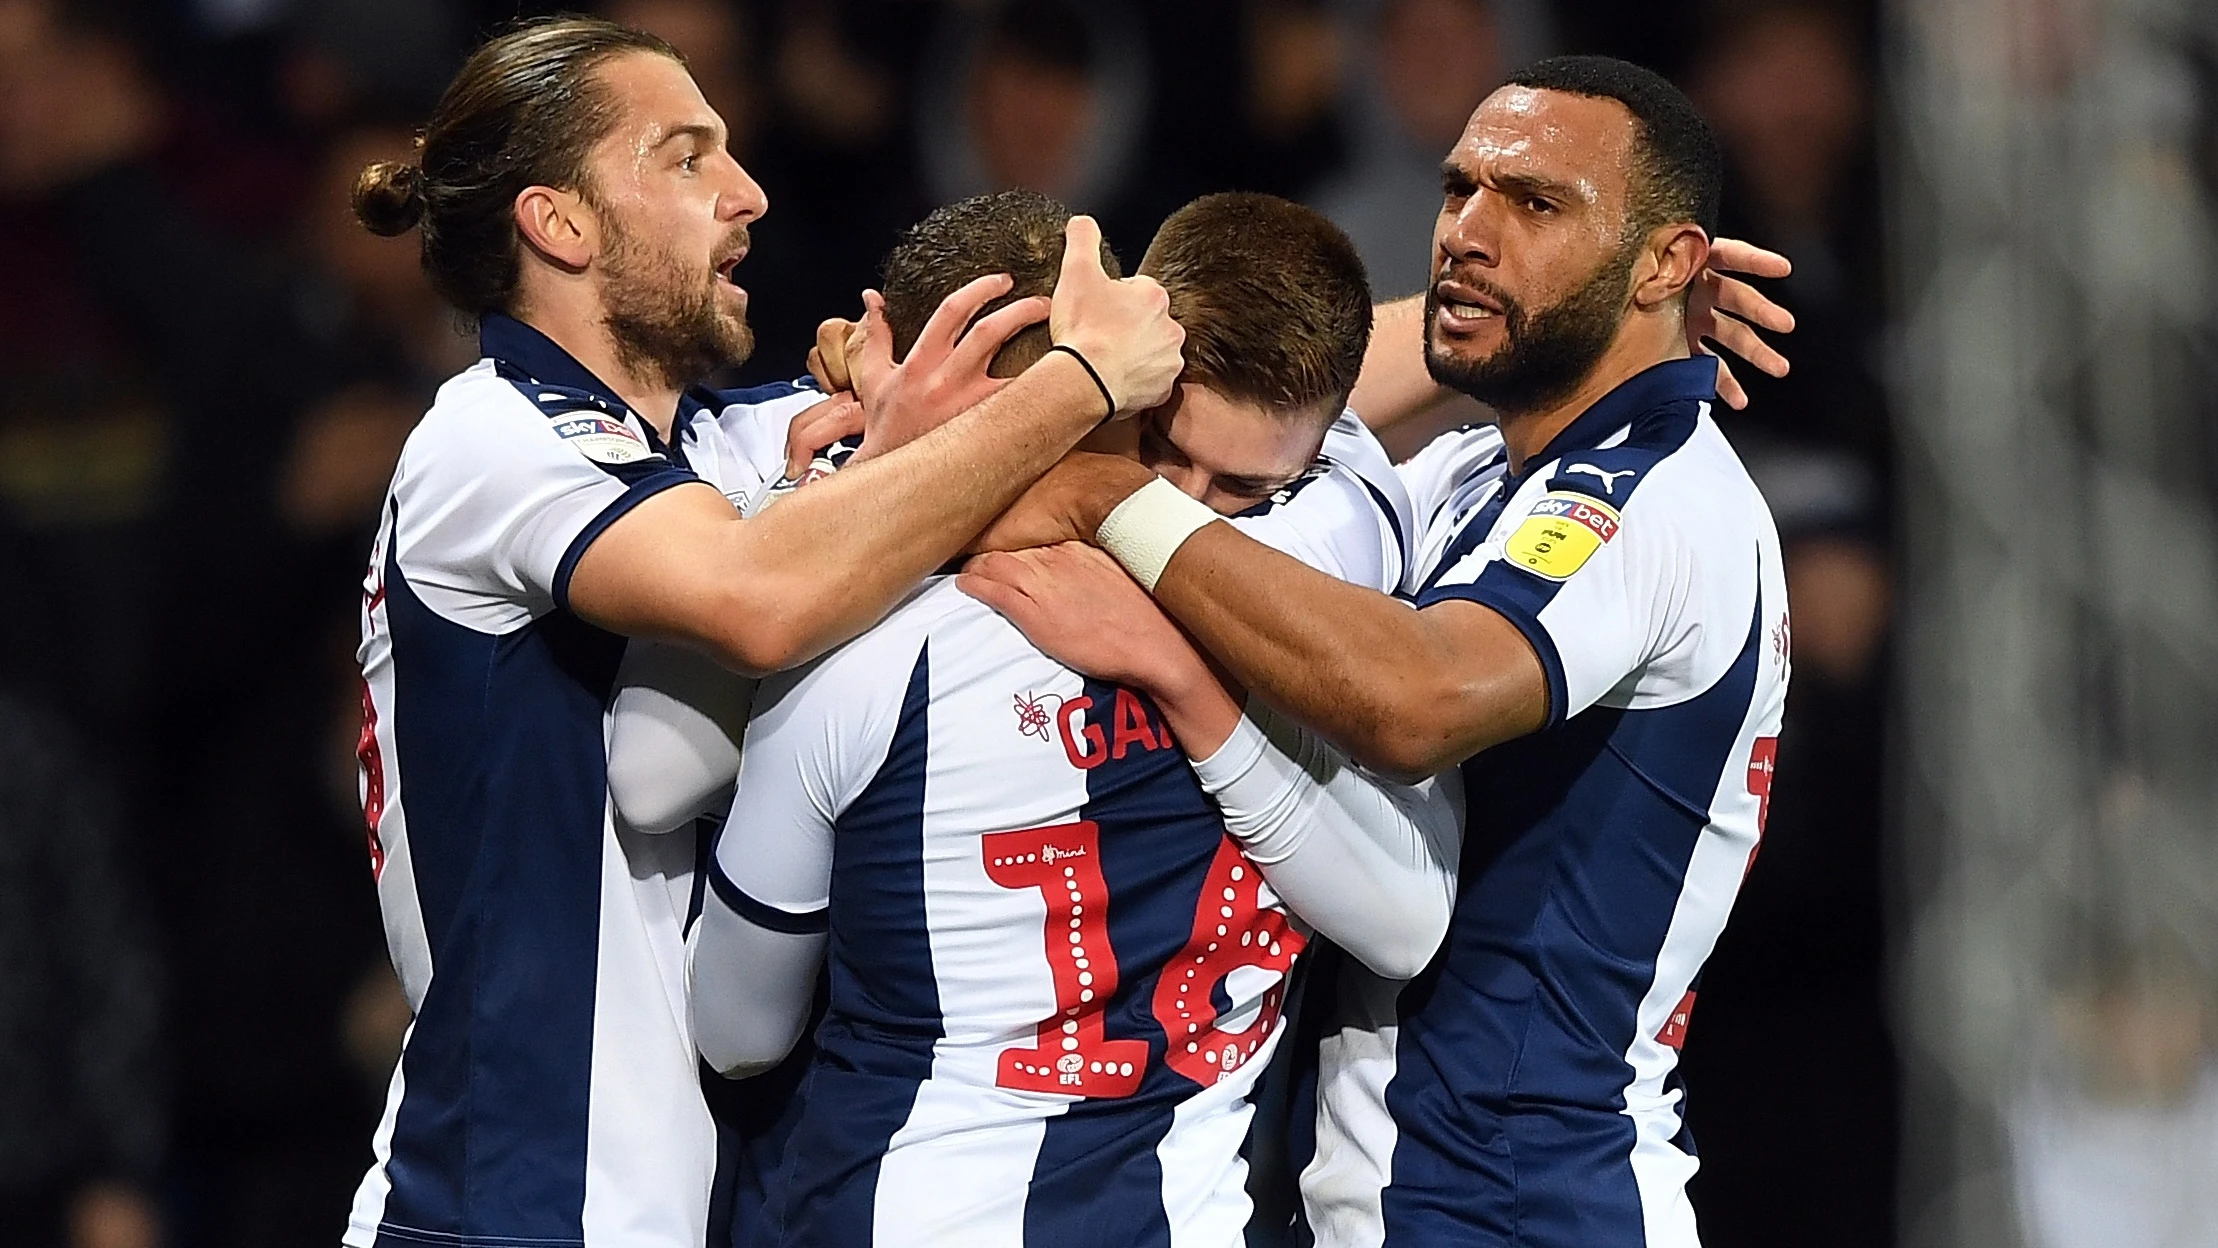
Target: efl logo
column 1560, row 534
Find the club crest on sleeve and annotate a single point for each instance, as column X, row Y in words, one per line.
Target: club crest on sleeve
column 1560, row 534
column 602, row 439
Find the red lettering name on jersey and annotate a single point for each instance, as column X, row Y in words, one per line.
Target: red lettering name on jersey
column 1088, row 747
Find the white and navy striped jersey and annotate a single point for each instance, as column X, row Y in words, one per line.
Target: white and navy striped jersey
column 1522, row 1089
column 1054, row 977
column 674, row 745
column 547, row 1093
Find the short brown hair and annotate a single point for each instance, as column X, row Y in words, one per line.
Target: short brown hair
column 524, row 110
column 1015, row 232
column 1272, row 296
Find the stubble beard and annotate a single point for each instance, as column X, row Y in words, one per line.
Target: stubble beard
column 663, row 316
column 1544, row 355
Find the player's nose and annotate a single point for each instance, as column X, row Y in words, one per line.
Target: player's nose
column 743, row 198
column 1469, row 235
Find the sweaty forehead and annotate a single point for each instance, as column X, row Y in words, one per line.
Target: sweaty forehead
column 655, row 95
column 1578, row 139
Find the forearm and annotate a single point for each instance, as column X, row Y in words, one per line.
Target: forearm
column 1370, row 864
column 829, row 561
column 1394, row 385
column 1201, row 711
column 1351, row 663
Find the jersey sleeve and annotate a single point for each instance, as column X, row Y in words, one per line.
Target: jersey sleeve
column 1595, row 591
column 675, row 728
column 815, row 738
column 1369, row 863
column 502, row 492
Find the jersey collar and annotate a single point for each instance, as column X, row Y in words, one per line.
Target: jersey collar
column 504, row 338
column 510, row 341
column 1692, row 380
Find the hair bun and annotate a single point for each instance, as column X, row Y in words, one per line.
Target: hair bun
column 389, row 197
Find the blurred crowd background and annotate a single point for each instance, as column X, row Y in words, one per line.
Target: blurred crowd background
column 1967, row 996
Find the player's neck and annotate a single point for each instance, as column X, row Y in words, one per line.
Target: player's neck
column 579, row 328
column 1641, row 343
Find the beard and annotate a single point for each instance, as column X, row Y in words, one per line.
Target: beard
column 662, row 314
column 1545, row 354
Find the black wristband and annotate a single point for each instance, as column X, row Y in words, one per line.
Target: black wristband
column 1086, row 364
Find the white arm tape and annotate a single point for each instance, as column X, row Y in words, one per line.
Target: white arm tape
column 1147, row 528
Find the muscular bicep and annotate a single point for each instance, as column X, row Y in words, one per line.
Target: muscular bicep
column 1405, row 692
column 1489, row 687
column 673, row 569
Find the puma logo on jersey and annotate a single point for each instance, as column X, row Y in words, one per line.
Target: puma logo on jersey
column 1608, row 479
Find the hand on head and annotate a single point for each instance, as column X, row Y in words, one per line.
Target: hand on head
column 1122, row 326
column 944, row 372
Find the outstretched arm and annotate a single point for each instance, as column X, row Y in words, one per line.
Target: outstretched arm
column 770, row 592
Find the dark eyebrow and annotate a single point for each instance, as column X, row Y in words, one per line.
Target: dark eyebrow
column 1519, row 185
column 696, row 130
column 1453, row 174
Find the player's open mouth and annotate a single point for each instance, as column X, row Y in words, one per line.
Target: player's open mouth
column 724, row 268
column 1465, row 308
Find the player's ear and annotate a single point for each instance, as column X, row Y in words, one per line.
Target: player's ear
column 1672, row 258
column 559, row 225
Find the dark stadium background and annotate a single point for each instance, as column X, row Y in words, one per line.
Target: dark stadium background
column 206, row 371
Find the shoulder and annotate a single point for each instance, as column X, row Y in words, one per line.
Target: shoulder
column 486, row 420
column 1673, row 474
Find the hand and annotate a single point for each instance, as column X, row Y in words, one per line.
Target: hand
column 1084, row 612
column 837, row 342
column 817, row 427
column 1714, row 296
column 945, row 370
column 1122, row 327
column 1067, row 504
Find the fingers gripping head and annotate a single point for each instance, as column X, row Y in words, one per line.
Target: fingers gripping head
column 1015, row 232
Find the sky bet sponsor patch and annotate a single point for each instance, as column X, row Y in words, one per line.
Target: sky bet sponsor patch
column 602, row 439
column 1562, row 533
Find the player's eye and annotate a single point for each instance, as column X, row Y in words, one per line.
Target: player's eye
column 1539, row 207
column 691, row 163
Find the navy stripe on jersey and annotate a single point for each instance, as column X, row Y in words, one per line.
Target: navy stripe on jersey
column 1608, row 476
column 1510, row 1068
column 491, row 1134
column 884, row 1014
column 1097, row 1179
column 716, row 400
column 1393, row 521
column 761, row 913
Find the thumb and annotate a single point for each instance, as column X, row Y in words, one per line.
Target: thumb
column 1082, row 271
column 870, row 367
